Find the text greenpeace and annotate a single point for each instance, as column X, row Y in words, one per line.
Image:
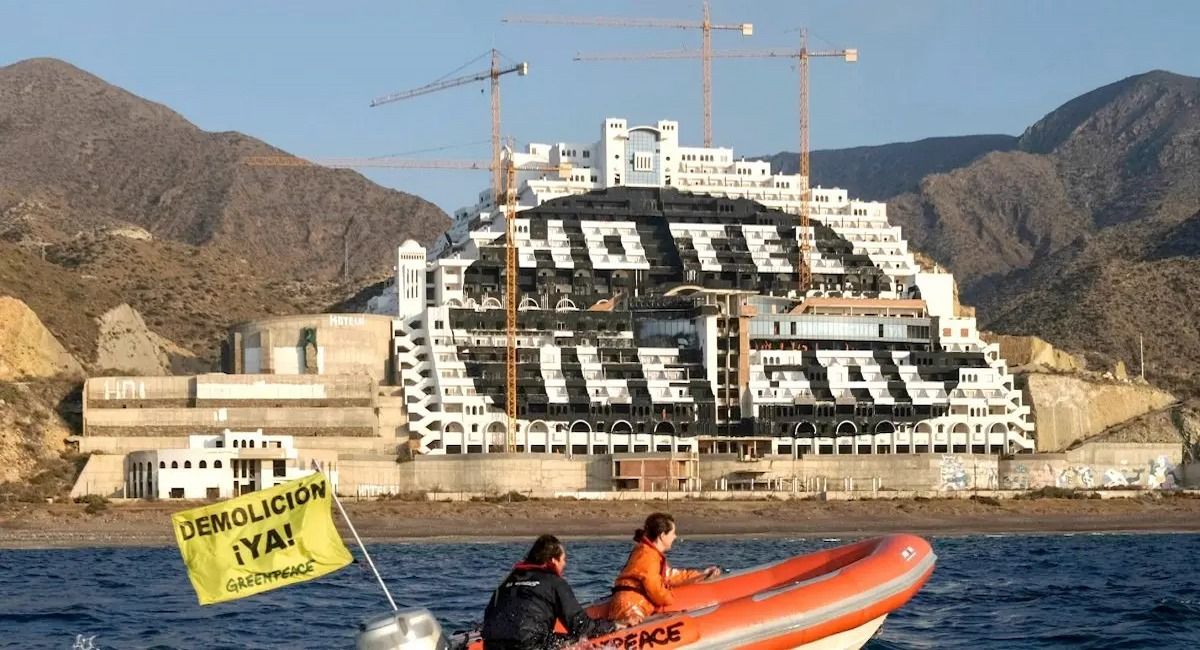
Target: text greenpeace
column 237, row 584
column 664, row 635
column 261, row 541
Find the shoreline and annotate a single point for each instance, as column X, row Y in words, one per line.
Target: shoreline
column 147, row 524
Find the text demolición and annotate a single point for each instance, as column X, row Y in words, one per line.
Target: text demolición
column 239, row 516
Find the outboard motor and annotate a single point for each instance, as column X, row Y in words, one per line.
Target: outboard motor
column 413, row 628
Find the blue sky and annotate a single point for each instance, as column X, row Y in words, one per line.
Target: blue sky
column 300, row 74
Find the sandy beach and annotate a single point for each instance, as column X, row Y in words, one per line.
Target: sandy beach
column 24, row 525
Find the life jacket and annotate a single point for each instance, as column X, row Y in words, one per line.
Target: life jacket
column 644, row 584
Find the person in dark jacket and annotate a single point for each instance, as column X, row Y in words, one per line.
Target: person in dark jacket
column 534, row 595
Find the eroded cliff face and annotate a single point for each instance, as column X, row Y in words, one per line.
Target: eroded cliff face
column 1034, row 353
column 27, row 349
column 33, row 430
column 36, row 374
column 1069, row 408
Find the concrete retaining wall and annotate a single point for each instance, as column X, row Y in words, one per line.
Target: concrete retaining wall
column 104, row 474
column 1100, row 465
column 1097, row 465
column 539, row 474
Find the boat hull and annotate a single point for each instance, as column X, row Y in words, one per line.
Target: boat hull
column 831, row 599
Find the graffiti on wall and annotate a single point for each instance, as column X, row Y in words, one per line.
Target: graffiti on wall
column 953, row 475
column 1163, row 475
column 1016, row 479
column 1158, row 474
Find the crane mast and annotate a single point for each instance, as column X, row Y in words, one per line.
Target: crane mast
column 706, row 27
column 510, row 300
column 493, row 74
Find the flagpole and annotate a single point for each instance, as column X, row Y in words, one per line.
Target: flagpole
column 358, row 539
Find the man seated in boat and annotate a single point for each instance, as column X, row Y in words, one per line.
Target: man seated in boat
column 524, row 608
column 644, row 585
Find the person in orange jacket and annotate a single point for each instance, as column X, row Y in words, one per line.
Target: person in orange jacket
column 644, row 585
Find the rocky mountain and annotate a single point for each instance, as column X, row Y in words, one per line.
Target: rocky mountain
column 104, row 156
column 106, row 198
column 1086, row 232
column 883, row 171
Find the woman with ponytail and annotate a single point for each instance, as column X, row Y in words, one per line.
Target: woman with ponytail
column 644, row 585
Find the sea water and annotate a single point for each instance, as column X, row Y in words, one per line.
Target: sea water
column 1018, row 591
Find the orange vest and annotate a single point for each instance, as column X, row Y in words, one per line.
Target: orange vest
column 644, row 585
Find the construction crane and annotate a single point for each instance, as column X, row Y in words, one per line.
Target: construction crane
column 510, row 169
column 510, row 305
column 494, row 74
column 802, row 55
column 706, row 27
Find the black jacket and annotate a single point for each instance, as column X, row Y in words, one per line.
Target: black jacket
column 523, row 609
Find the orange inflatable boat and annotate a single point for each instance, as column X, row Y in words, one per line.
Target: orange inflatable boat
column 835, row 598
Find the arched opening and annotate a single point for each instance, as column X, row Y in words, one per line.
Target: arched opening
column 162, row 464
column 497, row 436
column 187, row 464
column 846, row 428
column 665, row 427
column 537, row 437
column 581, row 425
column 203, row 465
column 174, row 464
column 885, row 427
column 217, row 464
column 528, row 303
column 565, row 304
column 621, row 426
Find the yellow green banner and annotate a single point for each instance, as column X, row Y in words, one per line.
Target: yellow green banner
column 261, row 541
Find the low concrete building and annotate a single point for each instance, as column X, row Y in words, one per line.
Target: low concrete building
column 220, row 466
column 312, row 344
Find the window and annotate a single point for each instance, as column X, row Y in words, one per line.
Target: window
column 187, row 464
column 162, row 464
column 642, row 162
column 278, row 468
column 203, row 465
column 174, row 464
column 217, row 464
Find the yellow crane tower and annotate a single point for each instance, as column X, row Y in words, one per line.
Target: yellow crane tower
column 510, row 169
column 802, row 56
column 494, row 74
column 706, row 27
